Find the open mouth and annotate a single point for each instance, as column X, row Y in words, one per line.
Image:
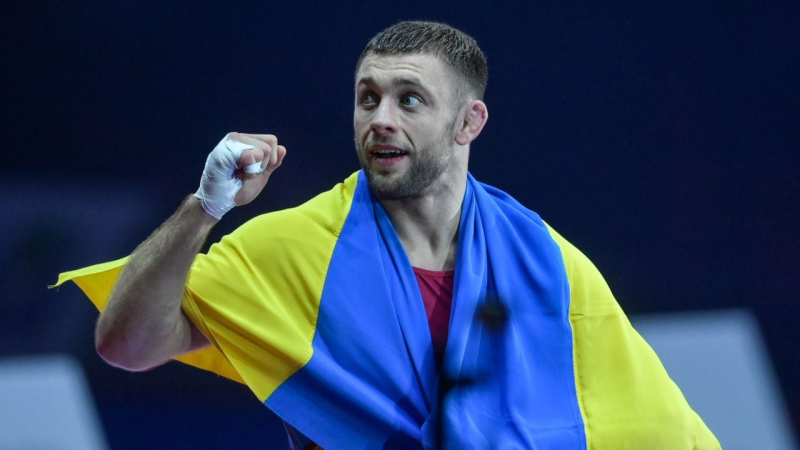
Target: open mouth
column 388, row 157
column 389, row 153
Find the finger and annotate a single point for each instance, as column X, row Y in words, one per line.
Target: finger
column 267, row 138
column 244, row 143
column 281, row 154
column 249, row 164
column 267, row 142
column 273, row 156
column 250, row 156
column 247, row 139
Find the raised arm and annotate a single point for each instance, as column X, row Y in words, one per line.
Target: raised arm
column 143, row 325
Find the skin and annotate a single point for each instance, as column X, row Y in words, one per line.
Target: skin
column 143, row 325
column 411, row 102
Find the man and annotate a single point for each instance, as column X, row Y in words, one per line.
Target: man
column 321, row 309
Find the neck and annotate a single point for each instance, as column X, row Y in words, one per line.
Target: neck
column 428, row 226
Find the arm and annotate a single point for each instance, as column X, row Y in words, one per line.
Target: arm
column 143, row 325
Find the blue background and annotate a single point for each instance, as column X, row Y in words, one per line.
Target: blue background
column 661, row 140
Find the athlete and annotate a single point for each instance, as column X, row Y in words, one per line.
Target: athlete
column 343, row 314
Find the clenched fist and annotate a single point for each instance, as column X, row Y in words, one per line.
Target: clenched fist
column 237, row 170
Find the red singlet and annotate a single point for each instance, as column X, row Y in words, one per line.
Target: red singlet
column 437, row 294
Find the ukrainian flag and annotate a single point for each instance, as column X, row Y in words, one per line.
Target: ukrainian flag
column 317, row 310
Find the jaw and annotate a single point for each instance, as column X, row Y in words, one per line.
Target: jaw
column 387, row 175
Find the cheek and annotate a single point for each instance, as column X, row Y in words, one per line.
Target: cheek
column 361, row 128
column 429, row 131
column 359, row 121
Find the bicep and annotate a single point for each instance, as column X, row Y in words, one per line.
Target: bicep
column 189, row 338
column 186, row 337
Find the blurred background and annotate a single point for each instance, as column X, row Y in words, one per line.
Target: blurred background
column 661, row 139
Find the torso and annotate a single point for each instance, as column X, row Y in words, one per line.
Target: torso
column 436, row 288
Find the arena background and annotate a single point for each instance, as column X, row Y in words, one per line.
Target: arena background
column 660, row 139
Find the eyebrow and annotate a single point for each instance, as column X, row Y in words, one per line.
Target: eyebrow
column 396, row 82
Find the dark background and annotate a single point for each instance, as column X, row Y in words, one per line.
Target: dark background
column 660, row 139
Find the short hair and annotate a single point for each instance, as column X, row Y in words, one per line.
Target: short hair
column 454, row 47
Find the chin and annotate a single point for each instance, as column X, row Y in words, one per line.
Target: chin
column 394, row 186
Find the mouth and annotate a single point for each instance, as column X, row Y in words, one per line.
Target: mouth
column 388, row 153
column 387, row 156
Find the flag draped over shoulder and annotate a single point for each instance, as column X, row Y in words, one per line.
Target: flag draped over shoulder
column 317, row 310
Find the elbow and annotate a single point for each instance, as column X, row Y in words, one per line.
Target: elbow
column 117, row 352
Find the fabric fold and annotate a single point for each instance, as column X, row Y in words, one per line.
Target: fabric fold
column 98, row 280
column 317, row 309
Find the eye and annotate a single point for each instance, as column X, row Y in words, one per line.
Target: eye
column 369, row 99
column 410, row 100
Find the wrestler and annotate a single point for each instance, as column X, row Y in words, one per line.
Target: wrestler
column 342, row 314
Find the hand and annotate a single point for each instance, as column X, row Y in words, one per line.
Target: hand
column 237, row 170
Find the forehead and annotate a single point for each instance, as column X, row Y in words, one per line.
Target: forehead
column 424, row 69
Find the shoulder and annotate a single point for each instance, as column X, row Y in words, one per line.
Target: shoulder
column 322, row 217
column 588, row 289
column 298, row 237
column 575, row 262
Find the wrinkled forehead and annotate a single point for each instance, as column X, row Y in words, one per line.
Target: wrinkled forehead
column 422, row 68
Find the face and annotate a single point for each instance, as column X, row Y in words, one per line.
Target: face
column 405, row 123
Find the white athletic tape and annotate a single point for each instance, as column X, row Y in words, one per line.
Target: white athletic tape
column 219, row 184
column 253, row 168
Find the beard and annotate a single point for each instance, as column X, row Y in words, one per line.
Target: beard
column 426, row 166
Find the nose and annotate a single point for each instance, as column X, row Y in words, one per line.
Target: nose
column 384, row 119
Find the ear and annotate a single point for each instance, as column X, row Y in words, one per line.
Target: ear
column 475, row 116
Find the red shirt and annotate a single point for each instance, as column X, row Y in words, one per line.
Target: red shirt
column 437, row 294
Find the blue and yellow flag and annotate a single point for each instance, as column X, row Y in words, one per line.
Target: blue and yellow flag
column 317, row 310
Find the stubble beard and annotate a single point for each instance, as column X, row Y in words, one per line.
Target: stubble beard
column 426, row 166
